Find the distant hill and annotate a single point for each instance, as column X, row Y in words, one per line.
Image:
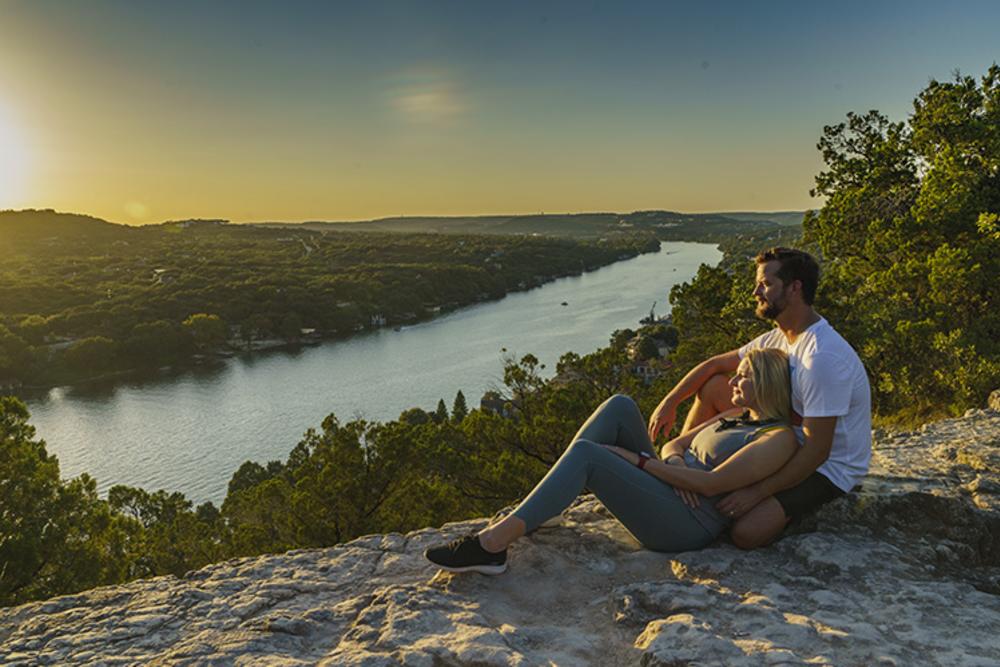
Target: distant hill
column 788, row 218
column 571, row 224
column 666, row 224
column 29, row 230
column 42, row 223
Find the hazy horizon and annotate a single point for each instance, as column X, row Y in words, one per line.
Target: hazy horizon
column 398, row 217
column 142, row 111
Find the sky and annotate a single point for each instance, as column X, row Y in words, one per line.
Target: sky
column 139, row 112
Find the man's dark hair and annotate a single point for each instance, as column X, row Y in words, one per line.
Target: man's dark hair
column 794, row 265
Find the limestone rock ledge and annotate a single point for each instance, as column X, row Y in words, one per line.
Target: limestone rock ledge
column 904, row 572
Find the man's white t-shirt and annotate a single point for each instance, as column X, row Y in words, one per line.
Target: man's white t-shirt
column 828, row 380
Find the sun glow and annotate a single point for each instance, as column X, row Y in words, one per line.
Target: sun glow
column 13, row 161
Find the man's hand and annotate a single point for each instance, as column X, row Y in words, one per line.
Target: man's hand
column 741, row 501
column 662, row 419
column 690, row 498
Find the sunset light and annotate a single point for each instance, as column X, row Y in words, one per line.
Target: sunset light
column 137, row 112
column 13, row 161
column 317, row 316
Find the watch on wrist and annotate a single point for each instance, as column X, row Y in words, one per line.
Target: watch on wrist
column 643, row 459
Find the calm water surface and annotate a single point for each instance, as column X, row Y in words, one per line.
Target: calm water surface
column 190, row 431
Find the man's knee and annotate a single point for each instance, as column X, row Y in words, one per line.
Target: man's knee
column 747, row 536
column 760, row 526
column 716, row 392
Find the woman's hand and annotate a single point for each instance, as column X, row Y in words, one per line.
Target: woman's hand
column 690, row 498
column 662, row 419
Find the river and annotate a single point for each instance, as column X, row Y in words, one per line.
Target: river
column 190, row 430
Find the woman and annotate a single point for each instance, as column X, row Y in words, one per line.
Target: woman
column 669, row 504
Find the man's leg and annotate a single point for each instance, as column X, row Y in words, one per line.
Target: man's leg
column 715, row 396
column 759, row 526
column 764, row 523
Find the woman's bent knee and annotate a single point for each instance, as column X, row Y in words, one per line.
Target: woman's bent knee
column 583, row 447
column 620, row 402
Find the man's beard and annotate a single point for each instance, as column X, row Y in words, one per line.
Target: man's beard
column 769, row 310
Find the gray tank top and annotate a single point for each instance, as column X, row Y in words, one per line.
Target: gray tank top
column 709, row 449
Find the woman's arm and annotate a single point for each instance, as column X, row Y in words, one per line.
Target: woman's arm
column 761, row 458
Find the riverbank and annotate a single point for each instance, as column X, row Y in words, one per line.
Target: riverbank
column 381, row 319
column 189, row 430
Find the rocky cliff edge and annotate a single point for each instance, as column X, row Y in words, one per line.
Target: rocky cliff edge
column 904, row 572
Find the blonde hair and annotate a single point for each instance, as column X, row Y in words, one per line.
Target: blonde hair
column 772, row 385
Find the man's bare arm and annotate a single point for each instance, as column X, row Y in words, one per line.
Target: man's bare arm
column 818, row 440
column 818, row 436
column 665, row 414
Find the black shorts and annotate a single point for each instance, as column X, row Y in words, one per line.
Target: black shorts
column 814, row 491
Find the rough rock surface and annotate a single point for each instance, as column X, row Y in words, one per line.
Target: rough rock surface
column 904, row 572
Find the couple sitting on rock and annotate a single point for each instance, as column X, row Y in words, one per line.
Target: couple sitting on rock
column 789, row 431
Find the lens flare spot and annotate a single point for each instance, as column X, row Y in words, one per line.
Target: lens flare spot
column 426, row 96
column 136, row 210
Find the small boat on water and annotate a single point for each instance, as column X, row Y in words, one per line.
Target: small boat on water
column 564, row 303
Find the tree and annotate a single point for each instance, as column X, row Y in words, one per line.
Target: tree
column 208, row 331
column 665, row 334
column 648, row 349
column 459, row 409
column 15, row 356
column 712, row 312
column 256, row 326
column 157, row 342
column 415, row 416
column 55, row 537
column 33, row 329
column 291, row 327
column 621, row 337
column 96, row 353
column 441, row 413
column 174, row 538
column 912, row 266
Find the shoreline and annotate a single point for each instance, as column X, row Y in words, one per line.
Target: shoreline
column 280, row 423
column 271, row 345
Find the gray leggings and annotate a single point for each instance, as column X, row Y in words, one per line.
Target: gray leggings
column 649, row 508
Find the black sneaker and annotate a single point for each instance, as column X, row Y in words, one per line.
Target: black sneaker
column 466, row 555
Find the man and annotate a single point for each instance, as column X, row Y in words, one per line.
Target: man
column 830, row 394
